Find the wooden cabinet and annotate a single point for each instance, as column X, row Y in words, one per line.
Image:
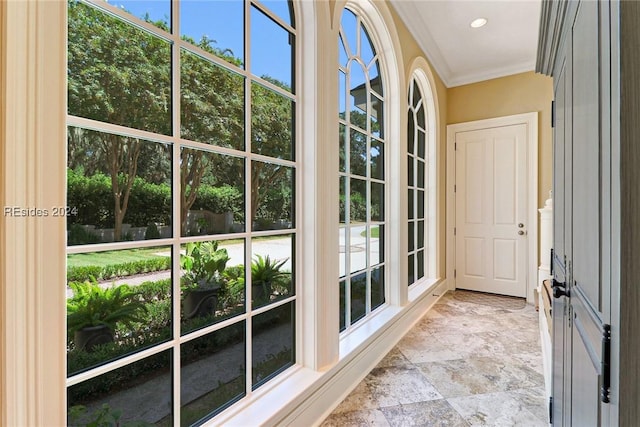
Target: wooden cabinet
column 592, row 50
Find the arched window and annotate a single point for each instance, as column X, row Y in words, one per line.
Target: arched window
column 182, row 229
column 362, row 172
column 421, row 184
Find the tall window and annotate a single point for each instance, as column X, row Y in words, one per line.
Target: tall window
column 181, row 192
column 362, row 173
column 417, row 179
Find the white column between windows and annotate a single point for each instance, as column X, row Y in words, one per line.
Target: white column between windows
column 32, row 276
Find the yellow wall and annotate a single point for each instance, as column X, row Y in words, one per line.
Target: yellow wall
column 411, row 51
column 519, row 93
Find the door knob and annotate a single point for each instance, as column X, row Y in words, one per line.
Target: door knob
column 520, row 232
column 520, row 225
column 559, row 289
column 560, row 292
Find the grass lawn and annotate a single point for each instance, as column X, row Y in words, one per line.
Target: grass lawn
column 375, row 232
column 102, row 259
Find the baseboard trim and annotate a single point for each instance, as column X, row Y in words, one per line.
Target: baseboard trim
column 330, row 390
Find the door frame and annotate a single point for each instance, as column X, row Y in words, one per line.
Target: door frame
column 531, row 121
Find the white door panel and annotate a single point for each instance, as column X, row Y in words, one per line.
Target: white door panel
column 491, row 201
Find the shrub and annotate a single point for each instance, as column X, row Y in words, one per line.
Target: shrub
column 220, row 199
column 81, row 274
column 233, row 291
column 358, row 207
column 78, row 235
column 153, row 291
column 92, row 305
column 149, row 202
column 93, row 198
column 152, row 231
column 203, row 263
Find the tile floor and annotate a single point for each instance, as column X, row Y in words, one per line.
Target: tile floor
column 463, row 364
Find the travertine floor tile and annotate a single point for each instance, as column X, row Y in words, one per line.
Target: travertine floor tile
column 397, row 386
column 465, row 377
column 394, row 358
column 495, row 409
column 432, row 413
column 363, row 418
column 462, row 364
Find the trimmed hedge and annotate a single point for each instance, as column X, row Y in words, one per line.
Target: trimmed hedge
column 83, row 273
column 220, row 200
column 148, row 203
column 93, row 198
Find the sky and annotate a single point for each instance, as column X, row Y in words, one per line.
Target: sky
column 222, row 21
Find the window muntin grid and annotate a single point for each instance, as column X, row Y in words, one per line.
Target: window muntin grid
column 417, row 184
column 187, row 142
column 362, row 173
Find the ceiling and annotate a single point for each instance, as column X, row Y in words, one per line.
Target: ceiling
column 460, row 54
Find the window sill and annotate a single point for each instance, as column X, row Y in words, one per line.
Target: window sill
column 427, row 285
column 302, row 396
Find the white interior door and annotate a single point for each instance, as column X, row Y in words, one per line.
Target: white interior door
column 491, row 210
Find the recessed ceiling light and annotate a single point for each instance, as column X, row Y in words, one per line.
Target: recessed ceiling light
column 477, row 23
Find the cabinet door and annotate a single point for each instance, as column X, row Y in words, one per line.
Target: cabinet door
column 590, row 212
column 561, row 345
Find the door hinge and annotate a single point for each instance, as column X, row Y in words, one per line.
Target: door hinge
column 454, row 273
column 455, row 188
column 454, row 231
column 550, row 409
column 606, row 363
column 553, row 114
column 455, row 146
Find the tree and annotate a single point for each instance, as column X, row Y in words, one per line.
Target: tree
column 121, row 74
column 118, row 74
column 271, row 135
column 212, row 111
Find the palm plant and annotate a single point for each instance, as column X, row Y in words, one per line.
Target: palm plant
column 93, row 305
column 266, row 272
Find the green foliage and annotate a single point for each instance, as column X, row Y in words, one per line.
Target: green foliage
column 221, row 199
column 152, row 326
column 358, row 207
column 264, row 270
column 78, row 235
column 92, row 195
column 84, row 273
column 148, row 204
column 152, row 231
column 105, row 416
column 118, row 73
column 203, row 263
column 150, row 292
column 92, row 305
column 233, row 292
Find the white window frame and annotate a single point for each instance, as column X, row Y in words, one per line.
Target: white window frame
column 421, row 74
column 175, row 242
column 32, row 331
column 368, row 180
